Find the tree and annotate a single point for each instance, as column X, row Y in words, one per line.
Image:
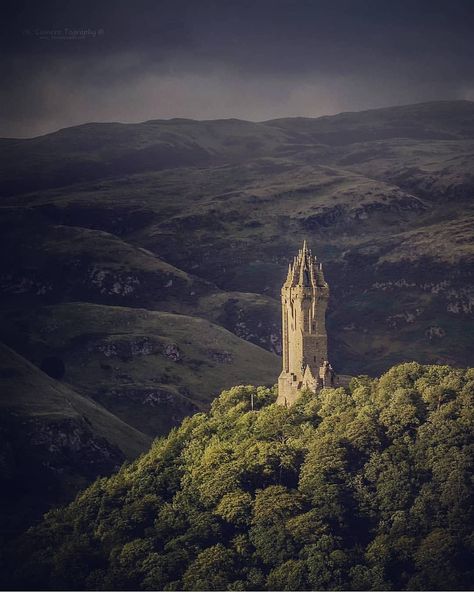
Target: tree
column 212, row 569
column 269, row 531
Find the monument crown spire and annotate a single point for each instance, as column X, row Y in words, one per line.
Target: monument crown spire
column 303, row 269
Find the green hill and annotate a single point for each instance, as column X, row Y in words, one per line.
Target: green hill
column 362, row 490
column 149, row 368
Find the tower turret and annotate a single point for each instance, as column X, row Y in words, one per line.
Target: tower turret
column 304, row 298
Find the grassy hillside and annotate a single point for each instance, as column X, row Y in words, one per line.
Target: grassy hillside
column 149, row 368
column 100, row 150
column 445, row 120
column 60, row 262
column 367, row 489
column 53, row 441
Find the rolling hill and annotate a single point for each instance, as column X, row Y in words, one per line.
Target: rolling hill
column 383, row 196
column 142, row 263
column 53, row 442
column 149, row 368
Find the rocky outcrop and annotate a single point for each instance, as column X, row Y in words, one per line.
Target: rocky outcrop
column 126, row 347
column 348, row 215
column 70, row 445
column 44, row 463
column 171, row 351
column 221, row 357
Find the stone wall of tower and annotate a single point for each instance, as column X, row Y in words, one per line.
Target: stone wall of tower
column 304, row 298
column 315, row 342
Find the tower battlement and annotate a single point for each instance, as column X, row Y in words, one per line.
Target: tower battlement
column 304, row 299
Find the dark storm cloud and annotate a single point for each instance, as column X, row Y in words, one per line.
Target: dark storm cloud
column 67, row 62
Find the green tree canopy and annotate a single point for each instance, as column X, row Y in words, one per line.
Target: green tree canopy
column 365, row 488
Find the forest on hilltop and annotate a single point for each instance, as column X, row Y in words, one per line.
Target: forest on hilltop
column 365, row 488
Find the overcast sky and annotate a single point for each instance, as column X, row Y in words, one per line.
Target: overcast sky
column 65, row 63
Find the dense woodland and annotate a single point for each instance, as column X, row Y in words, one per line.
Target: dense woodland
column 369, row 488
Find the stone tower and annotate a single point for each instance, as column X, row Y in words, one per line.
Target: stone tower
column 304, row 299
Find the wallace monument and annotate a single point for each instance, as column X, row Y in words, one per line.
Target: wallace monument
column 304, row 299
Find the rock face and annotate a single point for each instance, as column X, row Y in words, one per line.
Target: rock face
column 171, row 351
column 45, row 462
column 127, row 348
column 65, row 447
column 222, row 357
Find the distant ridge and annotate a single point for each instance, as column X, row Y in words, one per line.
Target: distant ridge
column 402, row 109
